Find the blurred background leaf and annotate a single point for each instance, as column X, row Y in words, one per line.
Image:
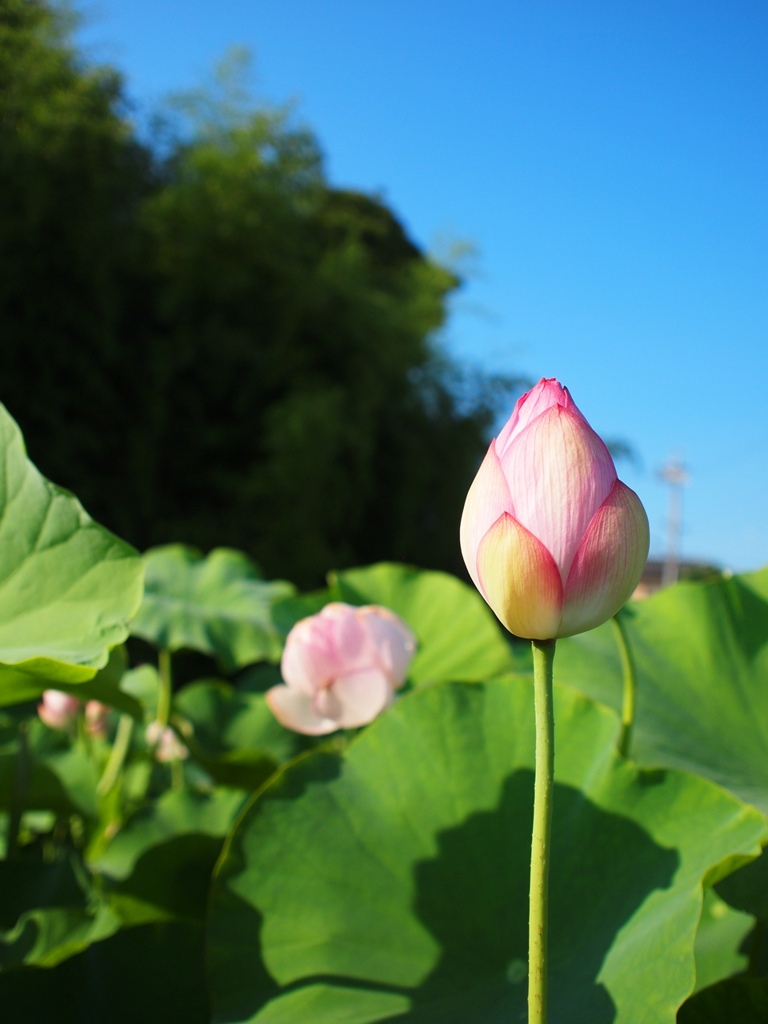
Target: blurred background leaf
column 218, row 605
column 701, row 657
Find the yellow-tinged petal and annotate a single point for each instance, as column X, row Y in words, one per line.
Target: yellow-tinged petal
column 608, row 563
column 293, row 709
column 519, row 580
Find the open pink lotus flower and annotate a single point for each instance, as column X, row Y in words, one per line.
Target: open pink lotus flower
column 341, row 668
column 554, row 542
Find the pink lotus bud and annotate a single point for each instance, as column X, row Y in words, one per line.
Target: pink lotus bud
column 341, row 668
column 168, row 746
column 554, row 542
column 96, row 715
column 58, row 710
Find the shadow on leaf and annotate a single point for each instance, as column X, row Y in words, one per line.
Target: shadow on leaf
column 473, row 899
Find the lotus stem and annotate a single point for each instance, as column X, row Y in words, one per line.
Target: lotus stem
column 543, row 786
column 117, row 756
column 630, row 684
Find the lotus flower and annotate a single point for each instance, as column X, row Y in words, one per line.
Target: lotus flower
column 341, row 668
column 552, row 539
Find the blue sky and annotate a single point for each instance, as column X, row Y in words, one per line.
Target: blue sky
column 608, row 161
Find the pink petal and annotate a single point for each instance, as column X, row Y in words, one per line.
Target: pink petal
column 393, row 643
column 559, row 473
column 322, row 646
column 349, row 637
column 293, row 709
column 325, row 704
column 361, row 697
column 487, row 499
column 547, row 393
column 609, row 562
column 520, row 581
column 309, row 661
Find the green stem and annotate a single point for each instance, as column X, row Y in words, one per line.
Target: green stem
column 630, row 685
column 538, row 925
column 166, row 688
column 83, row 736
column 117, row 756
column 177, row 774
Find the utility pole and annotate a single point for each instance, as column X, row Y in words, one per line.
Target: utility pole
column 675, row 474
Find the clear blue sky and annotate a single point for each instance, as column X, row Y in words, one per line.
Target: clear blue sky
column 609, row 161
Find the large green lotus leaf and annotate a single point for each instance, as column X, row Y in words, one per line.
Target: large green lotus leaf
column 719, row 940
column 158, row 866
column 459, row 638
column 67, row 585
column 153, row 974
column 701, row 656
column 391, row 882
column 234, row 735
column 217, row 605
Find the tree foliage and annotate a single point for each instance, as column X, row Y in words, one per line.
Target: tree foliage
column 241, row 353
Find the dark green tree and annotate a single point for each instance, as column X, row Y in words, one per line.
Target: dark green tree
column 207, row 342
column 72, row 178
